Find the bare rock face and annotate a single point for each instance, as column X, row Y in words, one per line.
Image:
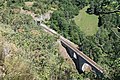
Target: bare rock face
column 9, row 49
column 6, row 49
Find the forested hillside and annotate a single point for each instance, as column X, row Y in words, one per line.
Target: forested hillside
column 104, row 46
column 26, row 51
column 29, row 53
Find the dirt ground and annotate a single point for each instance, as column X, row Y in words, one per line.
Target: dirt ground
column 64, row 54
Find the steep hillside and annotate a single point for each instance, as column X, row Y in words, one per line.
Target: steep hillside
column 26, row 51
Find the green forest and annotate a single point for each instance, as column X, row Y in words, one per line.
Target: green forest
column 27, row 52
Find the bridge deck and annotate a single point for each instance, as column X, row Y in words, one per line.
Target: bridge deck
column 67, row 42
column 73, row 47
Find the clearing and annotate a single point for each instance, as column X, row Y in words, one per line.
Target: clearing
column 87, row 23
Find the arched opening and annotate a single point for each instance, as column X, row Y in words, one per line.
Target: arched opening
column 118, row 28
column 86, row 67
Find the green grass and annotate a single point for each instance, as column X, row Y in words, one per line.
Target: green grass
column 87, row 23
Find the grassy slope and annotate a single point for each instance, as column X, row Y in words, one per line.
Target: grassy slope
column 87, row 23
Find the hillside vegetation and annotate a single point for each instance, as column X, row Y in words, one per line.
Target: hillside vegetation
column 28, row 53
column 103, row 46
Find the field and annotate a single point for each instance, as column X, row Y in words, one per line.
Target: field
column 87, row 23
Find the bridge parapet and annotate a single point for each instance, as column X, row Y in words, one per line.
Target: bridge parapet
column 78, row 57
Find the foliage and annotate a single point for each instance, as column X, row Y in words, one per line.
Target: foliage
column 87, row 23
column 38, row 49
column 32, row 53
column 102, row 47
column 36, row 56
